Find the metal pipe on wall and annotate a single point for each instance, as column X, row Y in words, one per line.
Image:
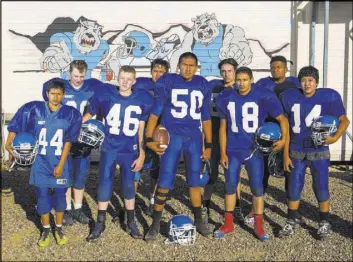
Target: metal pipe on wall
column 326, row 25
column 312, row 37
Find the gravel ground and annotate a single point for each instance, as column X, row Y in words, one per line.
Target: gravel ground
column 21, row 226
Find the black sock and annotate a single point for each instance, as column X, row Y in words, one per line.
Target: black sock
column 197, row 213
column 130, row 215
column 206, row 203
column 101, row 215
column 292, row 214
column 324, row 216
column 237, row 203
column 156, row 218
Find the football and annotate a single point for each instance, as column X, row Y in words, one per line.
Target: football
column 160, row 134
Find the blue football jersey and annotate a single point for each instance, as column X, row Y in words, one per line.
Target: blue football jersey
column 244, row 114
column 217, row 88
column 302, row 110
column 182, row 104
column 267, row 82
column 145, row 83
column 52, row 130
column 122, row 116
column 77, row 98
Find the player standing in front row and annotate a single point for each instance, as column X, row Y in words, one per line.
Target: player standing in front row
column 183, row 101
column 303, row 107
column 158, row 68
column 55, row 126
column 77, row 93
column 242, row 112
column 125, row 111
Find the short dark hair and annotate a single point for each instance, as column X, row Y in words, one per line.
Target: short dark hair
column 245, row 70
column 188, row 55
column 309, row 71
column 80, row 65
column 127, row 69
column 230, row 61
column 160, row 62
column 56, row 83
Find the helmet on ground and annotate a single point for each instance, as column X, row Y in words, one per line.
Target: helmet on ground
column 182, row 230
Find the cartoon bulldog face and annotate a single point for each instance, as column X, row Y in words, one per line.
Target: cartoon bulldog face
column 205, row 28
column 87, row 36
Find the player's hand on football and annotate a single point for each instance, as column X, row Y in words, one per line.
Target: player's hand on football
column 278, row 145
column 137, row 164
column 157, row 147
column 58, row 171
column 330, row 140
column 224, row 161
column 206, row 154
column 287, row 163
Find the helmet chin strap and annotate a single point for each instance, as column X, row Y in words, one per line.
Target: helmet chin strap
column 252, row 153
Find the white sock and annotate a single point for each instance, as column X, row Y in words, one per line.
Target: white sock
column 152, row 200
column 69, row 207
column 59, row 225
column 77, row 206
column 46, row 226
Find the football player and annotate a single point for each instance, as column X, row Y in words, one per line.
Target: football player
column 55, row 126
column 125, row 111
column 158, row 68
column 303, row 106
column 242, row 111
column 77, row 93
column 227, row 69
column 278, row 82
column 183, row 100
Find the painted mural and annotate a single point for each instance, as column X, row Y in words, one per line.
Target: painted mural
column 106, row 51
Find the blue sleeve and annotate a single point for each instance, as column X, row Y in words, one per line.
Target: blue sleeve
column 20, row 120
column 74, row 129
column 94, row 104
column 160, row 95
column 221, row 107
column 95, row 84
column 273, row 105
column 147, row 106
column 205, row 110
column 336, row 105
column 295, row 81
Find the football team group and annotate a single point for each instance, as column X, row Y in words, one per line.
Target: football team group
column 276, row 126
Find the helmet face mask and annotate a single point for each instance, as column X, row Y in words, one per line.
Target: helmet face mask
column 25, row 149
column 182, row 230
column 92, row 133
column 275, row 164
column 322, row 127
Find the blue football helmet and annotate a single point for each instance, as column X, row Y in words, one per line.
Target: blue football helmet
column 25, row 148
column 182, row 230
column 323, row 126
column 205, row 173
column 266, row 136
column 92, row 133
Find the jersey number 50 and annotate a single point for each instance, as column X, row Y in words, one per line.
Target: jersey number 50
column 195, row 94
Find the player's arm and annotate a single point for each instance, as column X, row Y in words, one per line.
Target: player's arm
column 8, row 144
column 58, row 170
column 138, row 163
column 207, row 130
column 223, row 142
column 342, row 127
column 283, row 122
column 151, row 125
column 206, row 120
column 86, row 117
